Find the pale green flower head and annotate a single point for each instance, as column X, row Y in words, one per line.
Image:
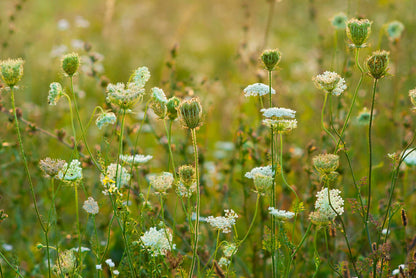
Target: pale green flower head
column 394, row 30
column 339, row 21
column 159, row 102
column 140, row 76
column 105, row 119
column 70, row 63
column 55, row 93
column 358, row 31
column 124, row 96
column 71, row 173
column 11, row 71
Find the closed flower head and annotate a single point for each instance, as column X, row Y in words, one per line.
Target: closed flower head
column 11, row 71
column 190, row 113
column 70, row 64
column 124, row 96
column 326, row 163
column 158, row 102
column 55, row 93
column 271, row 58
column 172, row 106
column 330, row 82
column 358, row 31
column 377, row 64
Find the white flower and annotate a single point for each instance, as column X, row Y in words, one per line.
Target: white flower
column 223, row 223
column 162, row 182
column 91, row 206
column 410, row 157
column 263, row 170
column 81, row 22
column 281, row 214
column 396, row 272
column 110, row 263
column 55, row 93
column 7, row 247
column 223, row 262
column 184, row 191
column 278, row 112
column 322, row 203
column 123, row 176
column 105, row 118
column 283, row 126
column 124, row 96
column 98, row 267
column 257, row 89
column 116, row 272
column 229, row 249
column 136, row 159
column 201, row 219
column 158, row 242
column 141, row 76
column 331, row 82
column 83, row 249
column 72, row 172
column 63, row 24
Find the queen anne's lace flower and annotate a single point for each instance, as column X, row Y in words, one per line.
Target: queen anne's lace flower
column 135, row 160
column 123, row 176
column 91, row 206
column 264, row 170
column 140, row 76
column 223, row 262
column 281, row 214
column 55, row 93
column 106, row 118
column 276, row 112
column 283, row 126
column 51, row 167
column 257, row 89
column 223, row 223
column 72, row 172
column 323, row 207
column 162, row 182
column 330, row 82
column 124, row 96
column 157, row 242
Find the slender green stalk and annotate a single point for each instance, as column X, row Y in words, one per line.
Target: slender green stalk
column 353, row 99
column 198, row 204
column 269, row 22
column 316, row 254
column 16, row 270
column 252, row 221
column 329, row 256
column 215, row 252
column 292, row 257
column 78, row 227
column 169, row 135
column 322, row 119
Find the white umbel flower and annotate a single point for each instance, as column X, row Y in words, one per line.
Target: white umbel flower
column 281, row 214
column 55, row 93
column 123, row 176
column 157, row 242
column 105, row 119
column 322, row 203
column 263, row 170
column 72, row 172
column 91, row 206
column 135, row 160
column 162, row 182
column 330, row 82
column 278, row 112
column 410, row 157
column 257, row 89
column 223, row 223
column 110, row 263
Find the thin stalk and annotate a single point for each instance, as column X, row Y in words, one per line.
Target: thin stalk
column 169, row 135
column 292, row 257
column 78, row 227
column 10, row 265
column 215, row 252
column 353, row 99
column 322, row 119
column 329, row 258
column 316, row 254
column 252, row 221
column 195, row 247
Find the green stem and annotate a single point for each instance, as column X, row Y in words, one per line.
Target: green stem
column 195, row 247
column 322, row 119
column 252, row 221
column 353, row 99
column 78, row 227
column 169, row 135
column 298, row 247
column 10, row 265
column 316, row 254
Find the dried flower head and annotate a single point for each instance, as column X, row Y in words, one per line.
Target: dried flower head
column 51, row 167
column 330, row 82
column 11, row 71
column 271, row 58
column 71, row 173
column 262, row 183
column 105, row 118
column 70, row 63
column 157, row 242
column 358, row 31
column 258, row 89
column 190, row 113
column 377, row 64
column 223, row 223
column 91, row 206
column 326, row 163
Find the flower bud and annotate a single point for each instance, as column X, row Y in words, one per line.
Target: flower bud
column 70, row 63
column 270, row 58
column 190, row 112
column 159, row 102
column 358, row 31
column 262, row 183
column 172, row 105
column 326, row 163
column 11, row 71
column 377, row 64
column 187, row 175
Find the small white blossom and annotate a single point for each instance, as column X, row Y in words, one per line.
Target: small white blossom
column 162, row 182
column 395, row 272
column 81, row 22
column 158, row 242
column 116, row 272
column 278, row 112
column 322, row 203
column 123, row 176
column 281, row 214
column 264, row 170
column 105, row 119
column 257, row 89
column 98, row 267
column 83, row 249
column 91, row 206
column 135, row 159
column 330, row 82
column 72, row 172
column 110, row 263
column 223, row 262
column 63, row 24
column 55, row 93
column 7, row 247
column 410, row 157
column 223, row 223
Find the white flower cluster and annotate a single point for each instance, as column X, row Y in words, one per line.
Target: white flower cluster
column 410, row 157
column 72, row 172
column 229, row 249
column 162, row 182
column 141, row 76
column 184, row 191
column 158, row 242
column 223, row 262
column 105, row 119
column 257, row 89
column 55, row 93
column 124, row 96
column 281, row 214
column 91, row 206
column 322, row 203
column 263, row 170
column 397, row 270
column 123, row 176
column 223, row 223
column 159, row 102
column 278, row 112
column 331, row 82
column 135, row 160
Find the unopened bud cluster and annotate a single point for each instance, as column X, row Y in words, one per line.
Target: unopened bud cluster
column 190, row 113
column 358, row 31
column 377, row 64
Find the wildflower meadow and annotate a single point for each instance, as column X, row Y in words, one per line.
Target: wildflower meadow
column 271, row 138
